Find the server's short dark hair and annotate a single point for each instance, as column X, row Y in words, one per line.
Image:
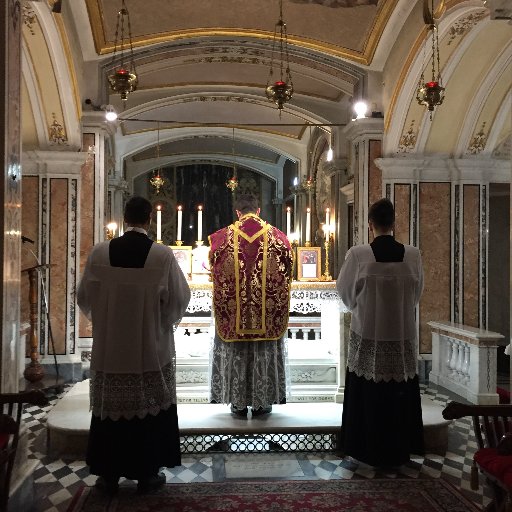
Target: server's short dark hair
column 246, row 203
column 137, row 210
column 382, row 214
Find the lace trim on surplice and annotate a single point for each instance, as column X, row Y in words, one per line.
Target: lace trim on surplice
column 381, row 360
column 129, row 395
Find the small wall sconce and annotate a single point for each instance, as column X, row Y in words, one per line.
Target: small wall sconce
column 110, row 230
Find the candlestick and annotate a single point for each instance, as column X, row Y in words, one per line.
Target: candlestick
column 158, row 223
column 326, row 275
column 327, row 221
column 308, row 226
column 180, row 218
column 199, row 222
column 288, row 222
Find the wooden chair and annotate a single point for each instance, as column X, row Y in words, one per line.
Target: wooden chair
column 492, row 425
column 10, row 421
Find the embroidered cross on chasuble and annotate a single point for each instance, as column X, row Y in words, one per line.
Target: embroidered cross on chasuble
column 251, row 263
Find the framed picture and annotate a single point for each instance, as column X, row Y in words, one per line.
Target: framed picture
column 183, row 255
column 200, row 263
column 309, row 266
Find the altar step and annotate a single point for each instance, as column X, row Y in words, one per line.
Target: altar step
column 211, row 427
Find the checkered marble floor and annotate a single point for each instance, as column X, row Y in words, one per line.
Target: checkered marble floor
column 56, row 480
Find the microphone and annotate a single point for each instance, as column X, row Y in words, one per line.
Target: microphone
column 25, row 239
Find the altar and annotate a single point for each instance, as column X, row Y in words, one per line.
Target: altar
column 316, row 353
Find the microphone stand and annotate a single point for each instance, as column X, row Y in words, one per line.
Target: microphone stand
column 45, row 302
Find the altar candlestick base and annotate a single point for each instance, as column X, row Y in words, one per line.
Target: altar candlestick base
column 307, row 244
column 199, row 243
column 179, row 243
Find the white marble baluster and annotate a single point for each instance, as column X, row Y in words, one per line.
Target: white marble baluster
column 447, row 345
column 454, row 359
column 294, row 331
column 465, row 365
column 316, row 330
column 460, row 360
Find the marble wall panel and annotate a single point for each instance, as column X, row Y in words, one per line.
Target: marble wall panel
column 375, row 191
column 86, row 221
column 471, row 251
column 58, row 256
column 374, row 173
column 435, row 246
column 402, row 195
column 30, row 229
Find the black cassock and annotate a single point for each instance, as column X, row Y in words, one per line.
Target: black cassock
column 135, row 448
column 382, row 421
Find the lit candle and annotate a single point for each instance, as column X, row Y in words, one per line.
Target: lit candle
column 327, row 221
column 158, row 223
column 308, row 224
column 288, row 222
column 199, row 222
column 180, row 219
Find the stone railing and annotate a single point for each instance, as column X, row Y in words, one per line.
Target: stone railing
column 464, row 361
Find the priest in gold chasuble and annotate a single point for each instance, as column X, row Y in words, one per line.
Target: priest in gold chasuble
column 251, row 263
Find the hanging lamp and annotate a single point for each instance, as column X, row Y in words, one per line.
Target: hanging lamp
column 157, row 181
column 431, row 93
column 232, row 182
column 280, row 91
column 124, row 78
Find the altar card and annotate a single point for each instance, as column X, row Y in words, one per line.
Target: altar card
column 183, row 255
column 308, row 263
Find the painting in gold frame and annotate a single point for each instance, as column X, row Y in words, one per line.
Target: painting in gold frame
column 183, row 255
column 309, row 263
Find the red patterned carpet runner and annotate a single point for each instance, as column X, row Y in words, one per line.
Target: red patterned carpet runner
column 422, row 495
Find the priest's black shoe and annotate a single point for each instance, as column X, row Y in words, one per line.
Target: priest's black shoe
column 239, row 412
column 151, row 483
column 107, row 485
column 261, row 410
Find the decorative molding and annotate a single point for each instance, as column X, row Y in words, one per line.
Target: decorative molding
column 408, row 169
column 478, row 141
column 57, row 133
column 408, row 139
column 85, row 356
column 463, row 25
column 303, row 374
column 53, row 162
column 191, row 376
column 337, row 3
column 29, row 17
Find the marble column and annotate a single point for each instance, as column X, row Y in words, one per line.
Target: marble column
column 365, row 140
column 21, row 488
column 10, row 190
column 101, row 201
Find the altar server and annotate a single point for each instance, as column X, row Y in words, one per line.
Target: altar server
column 381, row 284
column 134, row 292
column 251, row 264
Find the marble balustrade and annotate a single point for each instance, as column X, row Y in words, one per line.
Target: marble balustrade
column 464, row 360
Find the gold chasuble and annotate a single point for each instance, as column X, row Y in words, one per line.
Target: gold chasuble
column 251, row 263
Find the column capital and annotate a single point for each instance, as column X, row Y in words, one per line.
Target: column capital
column 365, row 128
column 52, row 162
column 436, row 168
column 96, row 120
